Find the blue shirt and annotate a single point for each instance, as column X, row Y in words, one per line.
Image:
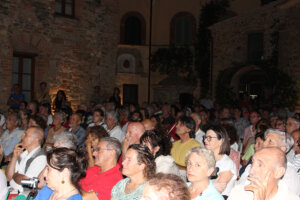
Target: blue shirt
column 210, row 193
column 46, row 193
column 9, row 140
column 16, row 97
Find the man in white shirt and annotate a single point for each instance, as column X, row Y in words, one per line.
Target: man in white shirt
column 199, row 133
column 269, row 165
column 28, row 158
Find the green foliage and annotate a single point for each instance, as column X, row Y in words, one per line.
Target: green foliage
column 211, row 12
column 173, row 59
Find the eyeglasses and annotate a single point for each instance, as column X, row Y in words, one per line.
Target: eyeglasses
column 208, row 138
column 100, row 149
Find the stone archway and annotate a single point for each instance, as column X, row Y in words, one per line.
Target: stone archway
column 250, row 79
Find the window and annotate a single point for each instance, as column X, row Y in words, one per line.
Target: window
column 133, row 29
column 65, row 7
column 23, row 74
column 263, row 2
column 255, row 47
column 183, row 28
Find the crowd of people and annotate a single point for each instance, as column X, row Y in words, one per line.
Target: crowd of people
column 158, row 151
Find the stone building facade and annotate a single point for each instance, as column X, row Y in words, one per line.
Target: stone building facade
column 71, row 47
column 232, row 43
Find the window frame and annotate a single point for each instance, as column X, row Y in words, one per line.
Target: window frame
column 123, row 27
column 63, row 8
column 20, row 73
column 173, row 23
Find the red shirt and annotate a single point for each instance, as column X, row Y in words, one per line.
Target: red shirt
column 101, row 183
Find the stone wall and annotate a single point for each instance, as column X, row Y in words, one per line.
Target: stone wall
column 73, row 54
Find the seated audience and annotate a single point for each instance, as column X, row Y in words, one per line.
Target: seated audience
column 200, row 166
column 101, row 178
column 216, row 139
column 28, row 159
column 24, row 116
column 94, row 135
column 134, row 132
column 166, row 187
column 160, row 146
column 269, row 165
column 58, row 127
column 113, row 128
column 198, row 132
column 3, row 182
column 139, row 166
column 65, row 167
column 12, row 135
column 98, row 117
column 185, row 129
column 76, row 129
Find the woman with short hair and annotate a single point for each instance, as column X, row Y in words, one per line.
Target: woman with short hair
column 139, row 167
column 200, row 167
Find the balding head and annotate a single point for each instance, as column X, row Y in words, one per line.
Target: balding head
column 269, row 160
column 148, row 124
column 32, row 138
column 134, row 131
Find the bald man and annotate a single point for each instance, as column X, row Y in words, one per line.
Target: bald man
column 134, row 132
column 28, row 158
column 269, row 166
column 148, row 125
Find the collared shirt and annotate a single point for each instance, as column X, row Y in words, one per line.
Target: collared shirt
column 210, row 193
column 199, row 136
column 9, row 140
column 35, row 168
column 101, row 183
column 80, row 134
column 238, row 192
column 117, row 132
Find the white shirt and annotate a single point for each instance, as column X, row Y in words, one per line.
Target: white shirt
column 238, row 193
column 3, row 185
column 117, row 132
column 35, row 168
column 101, row 124
column 199, row 137
column 226, row 164
column 290, row 178
column 50, row 120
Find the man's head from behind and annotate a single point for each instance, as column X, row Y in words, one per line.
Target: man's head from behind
column 270, row 160
column 33, row 137
column 108, row 151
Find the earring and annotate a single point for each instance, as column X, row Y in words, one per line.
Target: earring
column 62, row 182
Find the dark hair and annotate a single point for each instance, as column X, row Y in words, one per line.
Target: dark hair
column 140, row 116
column 157, row 118
column 40, row 121
column 144, row 156
column 221, row 134
column 260, row 135
column 48, row 106
column 99, row 111
column 75, row 161
column 262, row 125
column 26, row 112
column 175, row 187
column 97, row 131
column 43, row 83
column 145, row 112
column 189, row 123
column 231, row 131
column 157, row 138
column 68, row 111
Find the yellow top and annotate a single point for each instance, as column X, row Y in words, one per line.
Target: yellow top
column 179, row 150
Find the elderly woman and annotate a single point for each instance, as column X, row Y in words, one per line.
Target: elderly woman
column 65, row 167
column 216, row 140
column 160, row 146
column 63, row 139
column 94, row 135
column 200, row 166
column 113, row 128
column 139, row 167
column 166, row 187
column 58, row 127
